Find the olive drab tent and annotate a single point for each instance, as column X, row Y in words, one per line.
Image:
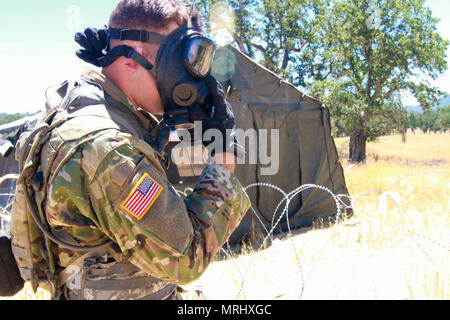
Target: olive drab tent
column 301, row 150
column 307, row 153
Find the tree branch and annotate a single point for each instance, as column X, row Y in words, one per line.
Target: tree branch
column 259, row 47
column 241, row 45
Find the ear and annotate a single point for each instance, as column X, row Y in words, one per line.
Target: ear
column 130, row 65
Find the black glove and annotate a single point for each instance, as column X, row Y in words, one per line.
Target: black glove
column 10, row 280
column 222, row 118
column 94, row 41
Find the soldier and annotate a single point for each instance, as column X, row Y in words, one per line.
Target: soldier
column 99, row 171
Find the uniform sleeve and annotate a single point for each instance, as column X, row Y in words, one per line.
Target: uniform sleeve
column 159, row 232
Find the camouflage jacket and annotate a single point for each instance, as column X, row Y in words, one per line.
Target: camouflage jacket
column 113, row 187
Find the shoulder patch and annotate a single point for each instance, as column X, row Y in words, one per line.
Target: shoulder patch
column 142, row 197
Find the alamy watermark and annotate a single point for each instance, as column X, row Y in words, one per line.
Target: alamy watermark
column 73, row 21
column 262, row 147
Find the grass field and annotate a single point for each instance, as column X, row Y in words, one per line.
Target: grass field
column 396, row 246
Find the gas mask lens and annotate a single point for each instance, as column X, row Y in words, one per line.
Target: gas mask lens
column 198, row 56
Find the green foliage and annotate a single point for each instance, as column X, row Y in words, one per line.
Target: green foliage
column 7, row 117
column 445, row 117
column 376, row 49
column 430, row 120
column 280, row 34
column 357, row 56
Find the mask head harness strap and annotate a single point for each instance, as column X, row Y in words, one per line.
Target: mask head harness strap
column 129, row 52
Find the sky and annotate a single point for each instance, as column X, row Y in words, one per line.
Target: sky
column 37, row 48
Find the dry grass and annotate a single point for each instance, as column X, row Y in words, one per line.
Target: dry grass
column 395, row 247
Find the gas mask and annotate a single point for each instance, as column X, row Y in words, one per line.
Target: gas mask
column 183, row 62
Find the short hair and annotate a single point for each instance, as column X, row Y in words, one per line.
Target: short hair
column 153, row 14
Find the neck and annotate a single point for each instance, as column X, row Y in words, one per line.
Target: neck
column 114, row 77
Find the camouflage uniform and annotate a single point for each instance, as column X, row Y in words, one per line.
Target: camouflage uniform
column 172, row 242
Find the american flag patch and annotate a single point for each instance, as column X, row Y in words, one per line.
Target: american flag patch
column 142, row 197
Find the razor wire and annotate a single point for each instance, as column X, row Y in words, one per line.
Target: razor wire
column 5, row 216
column 340, row 206
column 286, row 197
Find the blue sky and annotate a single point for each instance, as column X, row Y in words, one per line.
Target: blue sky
column 38, row 50
column 441, row 10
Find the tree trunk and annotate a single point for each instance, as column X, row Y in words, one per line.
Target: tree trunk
column 357, row 147
column 285, row 60
column 403, row 134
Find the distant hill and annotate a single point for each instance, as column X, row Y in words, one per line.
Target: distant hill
column 443, row 103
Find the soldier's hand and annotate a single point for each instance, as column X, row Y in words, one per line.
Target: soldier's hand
column 93, row 41
column 223, row 118
column 228, row 160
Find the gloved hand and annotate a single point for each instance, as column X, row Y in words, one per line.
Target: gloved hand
column 222, row 118
column 10, row 280
column 93, row 41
